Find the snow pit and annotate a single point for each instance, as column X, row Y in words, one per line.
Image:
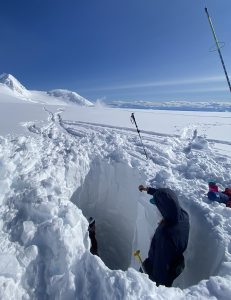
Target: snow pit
column 126, row 221
column 109, row 194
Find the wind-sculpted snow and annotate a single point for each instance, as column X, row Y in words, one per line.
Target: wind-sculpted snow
column 64, row 171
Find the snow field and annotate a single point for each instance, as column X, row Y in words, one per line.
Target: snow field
column 64, row 166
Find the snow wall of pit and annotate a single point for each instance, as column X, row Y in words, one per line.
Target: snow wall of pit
column 110, row 194
column 126, row 221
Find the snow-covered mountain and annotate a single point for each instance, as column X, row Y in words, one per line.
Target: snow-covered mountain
column 14, row 85
column 11, row 90
column 70, row 97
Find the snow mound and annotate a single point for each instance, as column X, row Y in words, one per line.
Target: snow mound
column 11, row 82
column 70, row 97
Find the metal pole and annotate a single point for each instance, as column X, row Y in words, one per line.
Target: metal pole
column 134, row 121
column 218, row 48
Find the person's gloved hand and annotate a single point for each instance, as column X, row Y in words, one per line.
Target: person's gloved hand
column 142, row 188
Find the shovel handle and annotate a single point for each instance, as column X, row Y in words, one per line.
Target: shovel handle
column 137, row 255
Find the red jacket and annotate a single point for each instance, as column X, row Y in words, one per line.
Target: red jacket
column 213, row 188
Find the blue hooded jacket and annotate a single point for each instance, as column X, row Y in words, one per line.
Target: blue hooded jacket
column 165, row 258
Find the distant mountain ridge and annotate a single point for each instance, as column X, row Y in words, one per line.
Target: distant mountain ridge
column 208, row 106
column 15, row 89
column 70, row 96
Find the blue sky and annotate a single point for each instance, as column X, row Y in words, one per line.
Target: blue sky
column 117, row 49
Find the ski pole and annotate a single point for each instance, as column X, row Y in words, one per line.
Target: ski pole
column 136, row 254
column 133, row 120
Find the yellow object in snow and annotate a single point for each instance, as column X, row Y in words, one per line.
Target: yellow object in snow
column 138, row 257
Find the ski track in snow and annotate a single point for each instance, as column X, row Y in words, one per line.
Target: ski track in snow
column 63, row 168
column 145, row 134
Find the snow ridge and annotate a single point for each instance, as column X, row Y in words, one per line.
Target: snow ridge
column 12, row 83
column 70, row 97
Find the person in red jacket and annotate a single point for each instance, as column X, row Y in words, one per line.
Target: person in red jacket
column 215, row 195
column 213, row 186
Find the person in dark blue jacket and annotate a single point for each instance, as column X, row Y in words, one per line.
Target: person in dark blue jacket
column 165, row 259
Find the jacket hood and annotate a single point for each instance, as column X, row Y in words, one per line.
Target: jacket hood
column 168, row 205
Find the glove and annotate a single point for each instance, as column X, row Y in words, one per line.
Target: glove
column 142, row 188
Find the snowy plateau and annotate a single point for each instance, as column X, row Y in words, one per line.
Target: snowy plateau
column 64, row 159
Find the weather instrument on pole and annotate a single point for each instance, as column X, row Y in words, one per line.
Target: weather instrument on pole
column 218, row 48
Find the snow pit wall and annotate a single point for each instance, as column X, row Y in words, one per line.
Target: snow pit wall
column 205, row 251
column 110, row 195
column 126, row 221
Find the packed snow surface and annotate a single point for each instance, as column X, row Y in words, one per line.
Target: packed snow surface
column 61, row 165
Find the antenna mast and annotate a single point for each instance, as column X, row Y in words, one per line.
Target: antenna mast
column 218, row 48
